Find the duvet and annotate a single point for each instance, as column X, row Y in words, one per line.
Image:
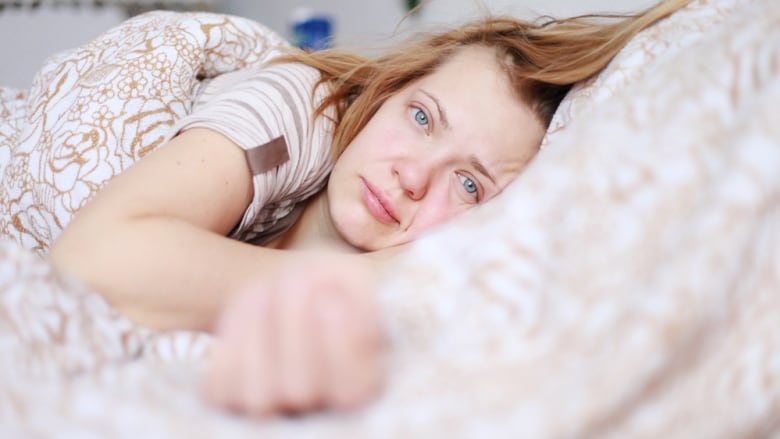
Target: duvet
column 626, row 285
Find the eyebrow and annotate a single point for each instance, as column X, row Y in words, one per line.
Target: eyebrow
column 442, row 114
column 481, row 168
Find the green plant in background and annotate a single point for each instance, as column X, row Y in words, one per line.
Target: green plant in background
column 411, row 4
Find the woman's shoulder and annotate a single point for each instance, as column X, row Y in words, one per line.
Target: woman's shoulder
column 260, row 104
column 291, row 76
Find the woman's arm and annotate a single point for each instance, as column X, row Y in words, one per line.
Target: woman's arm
column 153, row 241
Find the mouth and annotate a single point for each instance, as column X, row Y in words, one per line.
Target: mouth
column 378, row 204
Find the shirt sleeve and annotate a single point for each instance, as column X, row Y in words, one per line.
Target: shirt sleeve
column 269, row 113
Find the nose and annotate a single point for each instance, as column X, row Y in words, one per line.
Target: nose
column 414, row 176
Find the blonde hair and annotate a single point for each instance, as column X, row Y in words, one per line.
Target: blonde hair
column 542, row 60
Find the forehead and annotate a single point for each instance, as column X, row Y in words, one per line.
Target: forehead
column 484, row 115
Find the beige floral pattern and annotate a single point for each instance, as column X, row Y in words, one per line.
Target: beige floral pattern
column 95, row 110
column 625, row 286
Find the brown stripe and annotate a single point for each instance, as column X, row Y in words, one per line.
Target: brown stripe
column 263, row 158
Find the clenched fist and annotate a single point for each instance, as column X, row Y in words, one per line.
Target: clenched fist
column 309, row 340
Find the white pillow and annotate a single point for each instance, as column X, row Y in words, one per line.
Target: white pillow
column 626, row 284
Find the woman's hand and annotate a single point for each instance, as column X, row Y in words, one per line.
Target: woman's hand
column 310, row 340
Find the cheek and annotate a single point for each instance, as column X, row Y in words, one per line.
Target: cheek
column 358, row 153
column 381, row 136
column 437, row 211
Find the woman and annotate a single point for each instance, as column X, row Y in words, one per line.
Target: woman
column 406, row 142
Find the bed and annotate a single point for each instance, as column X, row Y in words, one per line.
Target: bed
column 626, row 285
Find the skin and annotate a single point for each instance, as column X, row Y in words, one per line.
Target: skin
column 439, row 147
column 287, row 348
column 424, row 170
column 296, row 321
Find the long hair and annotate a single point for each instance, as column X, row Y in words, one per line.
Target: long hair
column 542, row 59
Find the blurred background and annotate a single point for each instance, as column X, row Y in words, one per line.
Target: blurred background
column 32, row 30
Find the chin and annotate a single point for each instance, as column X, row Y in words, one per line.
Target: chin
column 366, row 244
column 363, row 247
column 366, row 237
column 351, row 237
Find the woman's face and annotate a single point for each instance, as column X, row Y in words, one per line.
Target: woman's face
column 442, row 145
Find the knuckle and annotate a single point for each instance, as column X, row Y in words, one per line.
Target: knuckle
column 256, row 404
column 297, row 399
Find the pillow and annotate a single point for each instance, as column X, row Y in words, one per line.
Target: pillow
column 95, row 110
column 649, row 49
column 625, row 285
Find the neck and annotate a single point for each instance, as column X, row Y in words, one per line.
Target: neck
column 314, row 229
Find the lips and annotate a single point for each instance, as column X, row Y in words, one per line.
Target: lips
column 378, row 204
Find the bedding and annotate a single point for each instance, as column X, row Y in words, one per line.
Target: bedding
column 95, row 110
column 624, row 286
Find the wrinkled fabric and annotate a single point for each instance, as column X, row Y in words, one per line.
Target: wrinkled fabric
column 626, row 285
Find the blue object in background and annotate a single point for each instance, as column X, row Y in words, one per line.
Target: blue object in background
column 312, row 31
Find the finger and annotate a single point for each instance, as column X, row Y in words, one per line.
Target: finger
column 223, row 378
column 351, row 354
column 298, row 388
column 255, row 360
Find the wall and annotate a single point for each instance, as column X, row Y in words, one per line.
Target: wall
column 356, row 22
column 27, row 37
column 453, row 11
column 367, row 22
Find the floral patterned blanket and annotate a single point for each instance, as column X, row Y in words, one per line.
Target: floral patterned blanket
column 626, row 285
column 95, row 110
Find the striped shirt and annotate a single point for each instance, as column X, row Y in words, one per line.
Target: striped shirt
column 268, row 112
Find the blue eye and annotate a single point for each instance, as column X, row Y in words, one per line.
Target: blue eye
column 468, row 184
column 420, row 117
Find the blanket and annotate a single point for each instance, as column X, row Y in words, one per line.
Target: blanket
column 626, row 285
column 95, row 110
